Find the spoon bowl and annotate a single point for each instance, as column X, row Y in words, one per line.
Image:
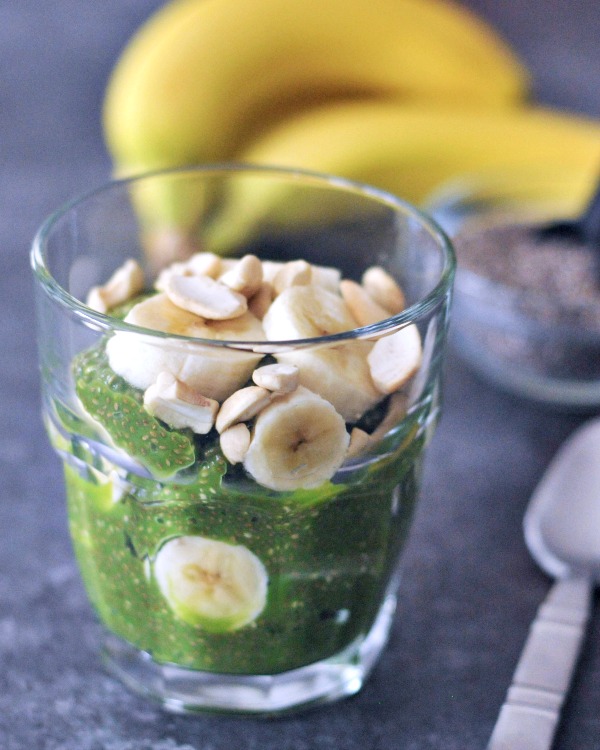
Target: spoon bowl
column 562, row 532
column 562, row 522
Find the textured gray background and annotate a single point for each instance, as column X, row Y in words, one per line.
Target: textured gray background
column 470, row 589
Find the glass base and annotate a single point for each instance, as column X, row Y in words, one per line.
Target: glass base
column 182, row 690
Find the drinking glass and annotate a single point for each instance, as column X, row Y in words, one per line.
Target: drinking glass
column 317, row 566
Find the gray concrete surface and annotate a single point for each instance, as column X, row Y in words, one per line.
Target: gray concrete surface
column 470, row 589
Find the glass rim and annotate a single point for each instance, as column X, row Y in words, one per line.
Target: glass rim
column 107, row 323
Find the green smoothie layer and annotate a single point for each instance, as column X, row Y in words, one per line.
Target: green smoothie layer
column 329, row 554
column 327, row 563
column 119, row 409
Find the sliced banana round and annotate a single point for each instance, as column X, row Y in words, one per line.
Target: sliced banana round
column 293, row 273
column 327, row 276
column 214, row 371
column 299, row 441
column 211, row 584
column 339, row 373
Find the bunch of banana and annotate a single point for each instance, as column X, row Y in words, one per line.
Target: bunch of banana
column 409, row 151
column 203, row 78
column 402, row 94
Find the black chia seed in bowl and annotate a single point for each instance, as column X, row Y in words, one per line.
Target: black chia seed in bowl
column 556, row 277
column 527, row 308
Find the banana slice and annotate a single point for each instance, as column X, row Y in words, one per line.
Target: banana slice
column 215, row 372
column 299, row 441
column 327, row 276
column 210, row 584
column 339, row 374
column 293, row 273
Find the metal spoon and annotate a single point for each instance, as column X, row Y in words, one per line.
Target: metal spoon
column 562, row 532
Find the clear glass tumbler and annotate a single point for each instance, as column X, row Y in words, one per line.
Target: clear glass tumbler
column 252, row 584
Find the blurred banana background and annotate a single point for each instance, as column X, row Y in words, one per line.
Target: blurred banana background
column 402, row 94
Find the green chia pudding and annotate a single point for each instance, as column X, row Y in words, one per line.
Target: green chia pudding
column 231, row 559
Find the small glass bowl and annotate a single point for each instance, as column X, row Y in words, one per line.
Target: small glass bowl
column 309, row 571
column 520, row 340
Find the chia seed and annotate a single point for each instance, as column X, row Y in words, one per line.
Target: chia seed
column 541, row 324
column 559, row 275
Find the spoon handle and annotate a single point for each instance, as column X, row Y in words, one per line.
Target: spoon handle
column 529, row 716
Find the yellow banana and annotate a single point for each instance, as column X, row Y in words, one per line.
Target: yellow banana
column 203, row 76
column 408, row 151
